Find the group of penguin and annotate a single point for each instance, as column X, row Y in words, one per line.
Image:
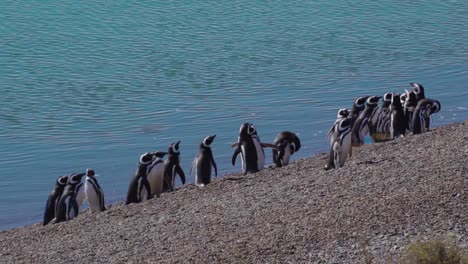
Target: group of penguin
column 397, row 116
column 69, row 194
column 155, row 175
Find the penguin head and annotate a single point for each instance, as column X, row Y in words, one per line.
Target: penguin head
column 90, row 172
column 146, row 158
column 418, row 90
column 343, row 113
column 387, row 97
column 372, row 101
column 359, row 103
column 174, row 147
column 409, row 98
column 396, row 101
column 244, row 130
column 252, row 131
column 435, row 107
column 208, row 140
column 62, row 180
column 159, row 154
column 75, row 178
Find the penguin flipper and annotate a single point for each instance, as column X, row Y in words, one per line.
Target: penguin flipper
column 234, row 156
column 194, row 162
column 235, row 145
column 268, row 145
column 181, row 173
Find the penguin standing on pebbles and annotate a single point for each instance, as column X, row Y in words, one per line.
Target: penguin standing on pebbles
column 285, row 144
column 172, row 168
column 397, row 118
column 340, row 144
column 203, row 162
column 422, row 115
column 139, row 189
column 67, row 207
column 94, row 193
column 250, row 149
column 409, row 106
column 381, row 120
column 363, row 123
column 53, row 199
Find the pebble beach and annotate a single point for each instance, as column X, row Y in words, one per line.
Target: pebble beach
column 386, row 196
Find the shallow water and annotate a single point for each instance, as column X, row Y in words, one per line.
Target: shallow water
column 98, row 84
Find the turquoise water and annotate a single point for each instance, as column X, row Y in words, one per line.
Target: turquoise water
column 96, row 84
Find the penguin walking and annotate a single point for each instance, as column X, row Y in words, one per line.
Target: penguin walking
column 422, row 115
column 203, row 162
column 94, row 193
column 397, row 118
column 363, row 124
column 53, row 199
column 285, row 144
column 381, row 119
column 156, row 173
column 341, row 142
column 67, row 207
column 172, row 168
column 139, row 189
column 250, row 148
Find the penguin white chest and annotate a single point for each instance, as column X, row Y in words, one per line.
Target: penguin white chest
column 156, row 178
column 92, row 196
column 260, row 154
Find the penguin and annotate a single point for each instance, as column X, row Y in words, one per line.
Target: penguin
column 422, row 115
column 285, row 144
column 251, row 149
column 172, row 167
column 67, row 207
column 363, row 124
column 139, row 189
column 156, row 174
column 53, row 199
column 418, row 89
column 341, row 143
column 203, row 162
column 358, row 106
column 380, row 120
column 94, row 193
column 397, row 118
column 409, row 106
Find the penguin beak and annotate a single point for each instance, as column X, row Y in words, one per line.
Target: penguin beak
column 213, row 136
column 178, row 142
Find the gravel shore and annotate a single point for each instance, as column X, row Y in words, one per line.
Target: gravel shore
column 387, row 195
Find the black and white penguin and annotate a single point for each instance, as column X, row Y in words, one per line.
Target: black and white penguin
column 250, row 148
column 418, row 89
column 397, row 118
column 156, row 173
column 53, row 199
column 203, row 162
column 94, row 193
column 363, row 124
column 139, row 189
column 381, row 120
column 408, row 108
column 172, row 168
column 285, row 145
column 341, row 142
column 358, row 106
column 67, row 207
column 422, row 115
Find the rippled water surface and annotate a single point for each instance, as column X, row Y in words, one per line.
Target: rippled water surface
column 96, row 84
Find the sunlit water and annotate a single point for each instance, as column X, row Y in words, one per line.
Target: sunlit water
column 97, row 84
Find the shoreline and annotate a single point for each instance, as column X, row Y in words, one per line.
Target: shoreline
column 385, row 196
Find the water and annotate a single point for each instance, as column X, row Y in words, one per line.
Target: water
column 97, row 84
